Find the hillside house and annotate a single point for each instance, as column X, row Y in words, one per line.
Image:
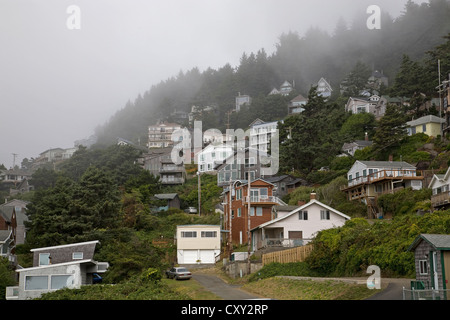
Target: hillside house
column 211, row 156
column 285, row 89
column 16, row 210
column 324, row 89
column 296, row 105
column 282, row 182
column 430, row 125
column 440, row 187
column 432, row 263
column 297, row 227
column 236, row 207
column 350, row 148
column 242, row 100
column 261, row 134
column 198, row 244
column 7, row 246
column 57, row 267
column 159, row 162
column 360, row 105
column 243, row 164
column 367, row 180
column 377, row 80
column 160, row 134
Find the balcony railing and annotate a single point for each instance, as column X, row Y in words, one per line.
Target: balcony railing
column 264, row 199
column 385, row 174
column 440, row 199
column 285, row 243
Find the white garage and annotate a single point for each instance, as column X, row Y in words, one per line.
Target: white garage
column 196, row 256
column 198, row 244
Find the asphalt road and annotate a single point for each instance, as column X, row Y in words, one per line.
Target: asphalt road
column 221, row 288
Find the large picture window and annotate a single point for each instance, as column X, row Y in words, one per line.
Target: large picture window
column 36, row 283
column 61, row 281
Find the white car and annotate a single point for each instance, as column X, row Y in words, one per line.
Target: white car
column 191, row 210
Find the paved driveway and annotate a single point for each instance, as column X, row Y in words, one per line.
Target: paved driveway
column 221, row 288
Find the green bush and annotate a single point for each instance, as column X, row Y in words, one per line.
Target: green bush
column 350, row 249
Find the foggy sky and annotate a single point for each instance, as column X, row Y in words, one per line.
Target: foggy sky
column 57, row 85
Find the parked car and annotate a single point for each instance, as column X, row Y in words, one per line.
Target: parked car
column 178, row 273
column 96, row 278
column 191, row 210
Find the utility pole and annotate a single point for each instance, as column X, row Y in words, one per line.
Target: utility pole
column 199, row 193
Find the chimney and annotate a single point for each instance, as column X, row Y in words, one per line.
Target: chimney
column 312, row 196
column 391, row 157
column 367, row 137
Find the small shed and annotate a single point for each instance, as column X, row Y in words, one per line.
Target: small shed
column 173, row 201
column 432, row 260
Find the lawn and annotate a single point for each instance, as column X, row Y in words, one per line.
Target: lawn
column 288, row 289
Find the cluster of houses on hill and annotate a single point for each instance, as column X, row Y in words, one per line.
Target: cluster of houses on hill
column 252, row 210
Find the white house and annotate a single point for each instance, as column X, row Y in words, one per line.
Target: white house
column 198, row 244
column 57, row 267
column 211, row 155
column 324, row 88
column 359, row 105
column 298, row 226
column 261, row 134
column 242, row 100
column 440, row 186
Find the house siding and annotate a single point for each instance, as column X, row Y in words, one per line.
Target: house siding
column 60, row 254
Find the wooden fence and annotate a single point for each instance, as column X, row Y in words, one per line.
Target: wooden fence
column 297, row 254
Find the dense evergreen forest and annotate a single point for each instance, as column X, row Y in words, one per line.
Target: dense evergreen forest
column 302, row 58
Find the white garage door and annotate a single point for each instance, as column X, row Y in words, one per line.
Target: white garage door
column 207, row 256
column 189, row 257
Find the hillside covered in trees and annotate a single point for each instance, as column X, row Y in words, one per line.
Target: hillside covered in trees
column 301, row 59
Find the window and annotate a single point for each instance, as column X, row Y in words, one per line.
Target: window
column 44, row 259
column 36, row 282
column 324, row 215
column 424, row 128
column 61, row 281
column 189, row 234
column 423, row 267
column 239, row 212
column 303, row 215
column 77, row 255
column 209, row 234
column 259, row 211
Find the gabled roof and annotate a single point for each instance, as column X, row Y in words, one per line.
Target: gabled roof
column 166, row 196
column 5, row 235
column 299, row 98
column 424, row 120
column 314, row 201
column 438, row 241
column 386, row 164
column 441, row 177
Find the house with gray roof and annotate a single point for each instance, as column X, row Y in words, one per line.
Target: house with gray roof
column 369, row 179
column 432, row 262
column 430, row 125
column 63, row 266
